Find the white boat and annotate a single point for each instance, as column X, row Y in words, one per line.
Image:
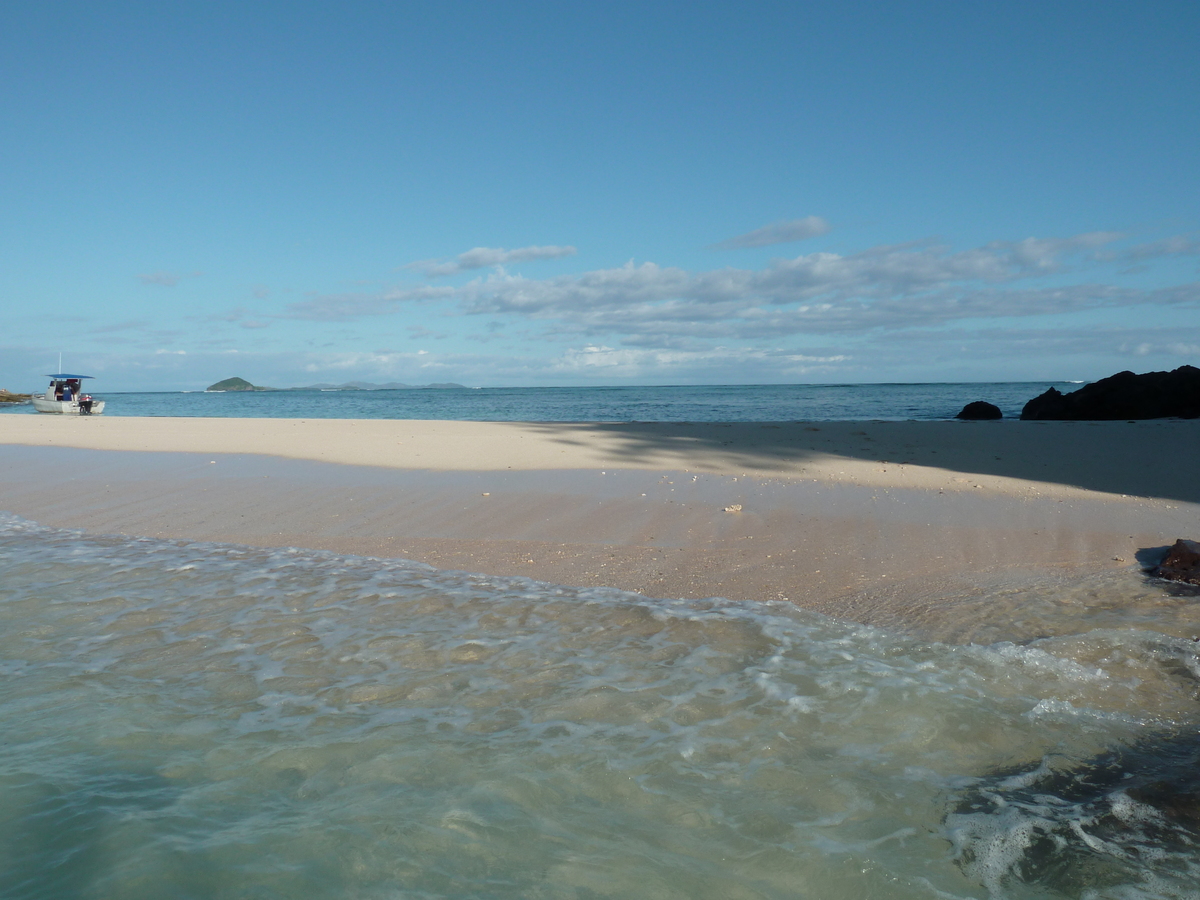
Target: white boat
column 65, row 397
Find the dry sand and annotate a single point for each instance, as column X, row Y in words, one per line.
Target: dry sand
column 857, row 519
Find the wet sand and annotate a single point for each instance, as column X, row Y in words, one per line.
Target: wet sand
column 862, row 520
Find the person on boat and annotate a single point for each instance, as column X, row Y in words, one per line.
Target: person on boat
column 67, row 393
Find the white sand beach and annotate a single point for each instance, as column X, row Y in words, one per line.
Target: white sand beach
column 855, row 519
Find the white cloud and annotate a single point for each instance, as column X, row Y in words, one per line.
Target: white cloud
column 1178, row 245
column 824, row 282
column 889, row 287
column 487, row 257
column 645, row 307
column 603, row 361
column 777, row 233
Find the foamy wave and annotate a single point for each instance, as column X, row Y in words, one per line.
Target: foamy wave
column 295, row 722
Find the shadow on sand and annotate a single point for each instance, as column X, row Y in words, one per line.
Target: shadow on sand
column 1147, row 459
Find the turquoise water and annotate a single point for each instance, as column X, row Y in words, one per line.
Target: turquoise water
column 695, row 403
column 207, row 721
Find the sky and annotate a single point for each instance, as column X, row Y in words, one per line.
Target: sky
column 528, row 193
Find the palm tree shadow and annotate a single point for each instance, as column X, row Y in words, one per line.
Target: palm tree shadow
column 1144, row 459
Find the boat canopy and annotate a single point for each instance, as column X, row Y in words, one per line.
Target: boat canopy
column 61, row 376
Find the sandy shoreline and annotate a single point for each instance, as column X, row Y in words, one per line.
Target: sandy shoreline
column 1148, row 459
column 852, row 519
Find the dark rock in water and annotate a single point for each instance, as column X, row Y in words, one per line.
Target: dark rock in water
column 980, row 409
column 1153, row 395
column 1126, row 817
column 1182, row 562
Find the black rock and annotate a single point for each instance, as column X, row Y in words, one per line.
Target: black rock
column 1182, row 562
column 980, row 409
column 1153, row 395
column 1110, row 821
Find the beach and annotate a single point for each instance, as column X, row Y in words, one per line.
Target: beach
column 862, row 520
column 456, row 659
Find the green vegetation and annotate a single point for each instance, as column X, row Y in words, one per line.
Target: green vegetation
column 234, row 384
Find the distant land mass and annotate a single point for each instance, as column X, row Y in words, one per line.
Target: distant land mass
column 234, row 384
column 241, row 384
column 371, row 386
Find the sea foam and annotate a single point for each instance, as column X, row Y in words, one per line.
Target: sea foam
column 203, row 720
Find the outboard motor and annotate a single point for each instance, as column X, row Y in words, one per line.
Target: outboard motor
column 85, row 405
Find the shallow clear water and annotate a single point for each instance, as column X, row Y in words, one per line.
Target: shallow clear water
column 638, row 403
column 208, row 721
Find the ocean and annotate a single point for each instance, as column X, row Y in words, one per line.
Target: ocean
column 194, row 720
column 687, row 403
column 220, row 722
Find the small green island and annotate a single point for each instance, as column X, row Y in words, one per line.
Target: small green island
column 235, row 384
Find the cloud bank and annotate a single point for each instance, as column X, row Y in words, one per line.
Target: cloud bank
column 1070, row 306
column 889, row 288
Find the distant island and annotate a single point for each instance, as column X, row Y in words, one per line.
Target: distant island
column 371, row 386
column 235, row 384
column 241, row 384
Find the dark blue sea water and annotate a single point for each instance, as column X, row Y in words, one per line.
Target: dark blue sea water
column 682, row 403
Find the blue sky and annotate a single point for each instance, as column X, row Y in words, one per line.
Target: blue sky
column 544, row 193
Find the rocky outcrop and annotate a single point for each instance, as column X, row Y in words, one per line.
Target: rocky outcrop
column 1182, row 562
column 1153, row 395
column 1034, row 813
column 980, row 409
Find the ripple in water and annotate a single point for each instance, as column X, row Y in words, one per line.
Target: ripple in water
column 209, row 721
